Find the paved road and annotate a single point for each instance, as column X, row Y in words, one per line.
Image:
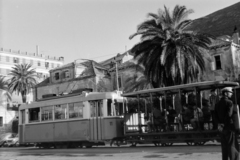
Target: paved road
column 143, row 152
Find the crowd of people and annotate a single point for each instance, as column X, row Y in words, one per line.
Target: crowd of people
column 217, row 110
column 190, row 114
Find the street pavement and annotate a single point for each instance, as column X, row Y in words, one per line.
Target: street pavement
column 142, row 152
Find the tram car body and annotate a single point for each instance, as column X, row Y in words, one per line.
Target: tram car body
column 73, row 120
column 136, row 131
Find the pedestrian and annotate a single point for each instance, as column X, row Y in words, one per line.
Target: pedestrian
column 213, row 99
column 226, row 126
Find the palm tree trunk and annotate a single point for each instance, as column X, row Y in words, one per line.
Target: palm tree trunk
column 24, row 96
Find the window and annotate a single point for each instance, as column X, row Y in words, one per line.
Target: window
column 39, row 63
column 23, row 116
column 75, row 110
column 0, row 57
column 34, row 115
column 57, row 76
column 1, row 121
column 66, row 74
column 61, row 111
column 109, row 107
column 52, row 65
column 31, row 62
column 15, row 60
column 47, row 113
column 96, row 108
column 39, row 75
column 58, row 65
column 24, row 60
column 218, row 62
column 46, row 64
column 7, row 58
column 114, row 109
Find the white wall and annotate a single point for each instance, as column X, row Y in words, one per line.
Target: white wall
column 7, row 115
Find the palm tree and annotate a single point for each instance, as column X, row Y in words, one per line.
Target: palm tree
column 137, row 82
column 23, row 79
column 3, row 83
column 170, row 54
column 4, row 87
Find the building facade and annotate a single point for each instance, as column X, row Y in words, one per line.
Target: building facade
column 8, row 58
column 76, row 76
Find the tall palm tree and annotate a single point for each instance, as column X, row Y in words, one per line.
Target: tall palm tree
column 23, row 80
column 3, row 83
column 4, row 87
column 138, row 81
column 170, row 54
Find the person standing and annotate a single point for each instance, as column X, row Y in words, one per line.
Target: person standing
column 228, row 133
column 171, row 114
column 197, row 117
column 213, row 100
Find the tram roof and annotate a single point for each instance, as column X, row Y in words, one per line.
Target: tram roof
column 73, row 98
column 184, row 87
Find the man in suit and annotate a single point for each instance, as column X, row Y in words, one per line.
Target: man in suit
column 226, row 125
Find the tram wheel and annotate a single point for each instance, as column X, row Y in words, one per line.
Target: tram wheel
column 157, row 144
column 169, row 144
column 89, row 146
column 134, row 144
column 201, row 143
column 190, row 143
column 118, row 143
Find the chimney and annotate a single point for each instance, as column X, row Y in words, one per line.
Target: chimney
column 37, row 49
column 235, row 36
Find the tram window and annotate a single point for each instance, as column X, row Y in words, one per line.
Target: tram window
column 109, row 108
column 1, row 121
column 61, row 111
column 114, row 109
column 47, row 113
column 34, row 114
column 118, row 108
column 23, row 116
column 75, row 110
column 96, row 108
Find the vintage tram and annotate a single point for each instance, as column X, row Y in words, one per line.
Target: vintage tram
column 97, row 118
column 72, row 120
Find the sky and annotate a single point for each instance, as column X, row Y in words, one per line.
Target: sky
column 83, row 29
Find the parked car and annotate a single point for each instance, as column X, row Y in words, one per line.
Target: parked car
column 7, row 139
column 12, row 142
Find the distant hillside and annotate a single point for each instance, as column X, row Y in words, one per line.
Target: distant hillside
column 221, row 22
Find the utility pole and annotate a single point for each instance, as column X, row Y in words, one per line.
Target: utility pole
column 116, row 66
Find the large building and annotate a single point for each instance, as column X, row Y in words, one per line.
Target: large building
column 8, row 58
column 42, row 63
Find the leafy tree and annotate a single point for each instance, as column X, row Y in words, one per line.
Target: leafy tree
column 170, row 54
column 23, row 80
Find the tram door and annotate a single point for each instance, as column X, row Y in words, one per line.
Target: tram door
column 96, row 120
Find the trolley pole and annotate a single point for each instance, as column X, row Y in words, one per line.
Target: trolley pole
column 117, row 75
column 116, row 66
